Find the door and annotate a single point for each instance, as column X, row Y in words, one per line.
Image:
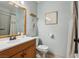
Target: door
column 73, row 46
column 78, row 28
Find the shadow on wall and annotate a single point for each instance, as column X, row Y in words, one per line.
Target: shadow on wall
column 40, row 42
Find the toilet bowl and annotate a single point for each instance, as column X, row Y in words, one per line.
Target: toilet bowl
column 41, row 48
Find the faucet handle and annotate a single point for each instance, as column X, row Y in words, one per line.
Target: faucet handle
column 12, row 37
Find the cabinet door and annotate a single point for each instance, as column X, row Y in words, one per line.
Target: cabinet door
column 30, row 52
column 19, row 55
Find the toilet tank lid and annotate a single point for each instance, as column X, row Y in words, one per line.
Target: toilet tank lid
column 36, row 37
column 43, row 47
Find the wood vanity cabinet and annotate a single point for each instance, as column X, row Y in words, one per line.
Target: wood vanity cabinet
column 24, row 50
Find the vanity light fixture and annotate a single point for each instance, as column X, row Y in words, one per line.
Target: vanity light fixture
column 10, row 3
column 13, row 4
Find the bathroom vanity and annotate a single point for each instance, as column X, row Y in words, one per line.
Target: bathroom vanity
column 19, row 48
column 12, row 22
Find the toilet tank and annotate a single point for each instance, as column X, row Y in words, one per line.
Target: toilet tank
column 37, row 40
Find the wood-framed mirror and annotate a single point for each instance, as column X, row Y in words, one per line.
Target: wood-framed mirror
column 12, row 19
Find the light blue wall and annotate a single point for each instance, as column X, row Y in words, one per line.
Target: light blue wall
column 58, row 45
column 31, row 8
column 19, row 20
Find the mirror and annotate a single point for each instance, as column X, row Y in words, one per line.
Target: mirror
column 12, row 18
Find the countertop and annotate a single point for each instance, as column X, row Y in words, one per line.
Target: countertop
column 5, row 43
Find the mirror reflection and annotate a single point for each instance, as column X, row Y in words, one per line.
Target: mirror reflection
column 11, row 18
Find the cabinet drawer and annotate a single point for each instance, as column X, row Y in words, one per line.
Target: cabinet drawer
column 18, row 55
column 30, row 52
column 27, row 53
column 14, row 50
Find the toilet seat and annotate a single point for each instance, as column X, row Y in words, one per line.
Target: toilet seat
column 42, row 48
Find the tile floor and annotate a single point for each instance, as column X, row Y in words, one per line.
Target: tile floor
column 48, row 55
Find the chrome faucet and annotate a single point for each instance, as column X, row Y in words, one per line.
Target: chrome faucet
column 12, row 37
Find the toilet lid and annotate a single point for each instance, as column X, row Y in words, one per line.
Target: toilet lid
column 42, row 47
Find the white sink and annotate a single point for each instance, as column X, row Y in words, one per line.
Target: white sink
column 4, row 40
column 5, row 43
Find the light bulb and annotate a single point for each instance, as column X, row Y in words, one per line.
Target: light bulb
column 22, row 2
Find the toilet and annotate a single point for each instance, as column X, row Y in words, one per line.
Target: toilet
column 41, row 48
